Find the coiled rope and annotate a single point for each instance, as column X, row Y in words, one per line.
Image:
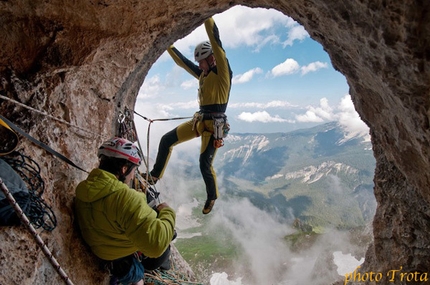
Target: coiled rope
column 36, row 236
column 40, row 214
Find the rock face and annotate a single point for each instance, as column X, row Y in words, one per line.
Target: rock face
column 83, row 61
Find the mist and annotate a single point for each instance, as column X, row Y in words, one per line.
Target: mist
column 263, row 253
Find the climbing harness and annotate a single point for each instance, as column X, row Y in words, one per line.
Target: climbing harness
column 36, row 236
column 220, row 125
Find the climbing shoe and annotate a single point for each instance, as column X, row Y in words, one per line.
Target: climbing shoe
column 208, row 206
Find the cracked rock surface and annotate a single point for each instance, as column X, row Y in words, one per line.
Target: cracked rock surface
column 82, row 61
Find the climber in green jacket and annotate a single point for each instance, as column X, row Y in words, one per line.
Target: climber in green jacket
column 214, row 74
column 116, row 221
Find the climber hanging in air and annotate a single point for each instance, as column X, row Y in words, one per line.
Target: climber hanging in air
column 210, row 122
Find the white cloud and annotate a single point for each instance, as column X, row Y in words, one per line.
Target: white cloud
column 296, row 32
column 317, row 114
column 344, row 114
column 193, row 104
column 243, row 26
column 309, row 116
column 247, row 76
column 151, row 87
column 261, row 237
column 314, row 66
column 350, row 120
column 240, row 30
column 289, row 66
column 270, row 104
column 192, row 83
column 261, row 116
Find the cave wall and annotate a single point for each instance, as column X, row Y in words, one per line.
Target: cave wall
column 84, row 61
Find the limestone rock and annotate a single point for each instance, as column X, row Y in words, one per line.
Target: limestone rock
column 83, row 61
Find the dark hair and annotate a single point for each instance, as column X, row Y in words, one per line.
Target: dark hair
column 114, row 165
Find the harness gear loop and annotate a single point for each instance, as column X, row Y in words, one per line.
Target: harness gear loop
column 221, row 127
column 198, row 117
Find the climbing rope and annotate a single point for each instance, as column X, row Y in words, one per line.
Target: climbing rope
column 149, row 131
column 36, row 236
column 39, row 214
column 170, row 277
column 48, row 115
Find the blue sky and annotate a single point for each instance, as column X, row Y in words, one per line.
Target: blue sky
column 283, row 80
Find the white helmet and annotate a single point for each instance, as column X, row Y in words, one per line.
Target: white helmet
column 120, row 148
column 202, row 51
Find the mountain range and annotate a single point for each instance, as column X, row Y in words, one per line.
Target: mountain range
column 314, row 175
column 317, row 181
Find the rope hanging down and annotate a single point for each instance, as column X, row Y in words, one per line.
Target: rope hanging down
column 36, row 236
column 149, row 130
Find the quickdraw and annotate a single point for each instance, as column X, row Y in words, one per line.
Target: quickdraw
column 126, row 128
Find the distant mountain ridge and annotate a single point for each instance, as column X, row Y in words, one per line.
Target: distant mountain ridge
column 317, row 175
column 316, row 180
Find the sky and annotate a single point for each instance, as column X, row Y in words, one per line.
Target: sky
column 282, row 79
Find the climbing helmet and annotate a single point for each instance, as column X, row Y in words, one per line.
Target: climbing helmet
column 202, row 50
column 120, row 148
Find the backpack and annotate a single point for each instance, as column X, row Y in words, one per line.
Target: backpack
column 19, row 191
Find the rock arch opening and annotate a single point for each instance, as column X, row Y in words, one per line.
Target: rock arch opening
column 81, row 62
column 157, row 91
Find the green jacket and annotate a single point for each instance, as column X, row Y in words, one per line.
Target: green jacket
column 116, row 220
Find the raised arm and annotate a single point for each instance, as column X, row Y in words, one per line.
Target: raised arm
column 184, row 62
